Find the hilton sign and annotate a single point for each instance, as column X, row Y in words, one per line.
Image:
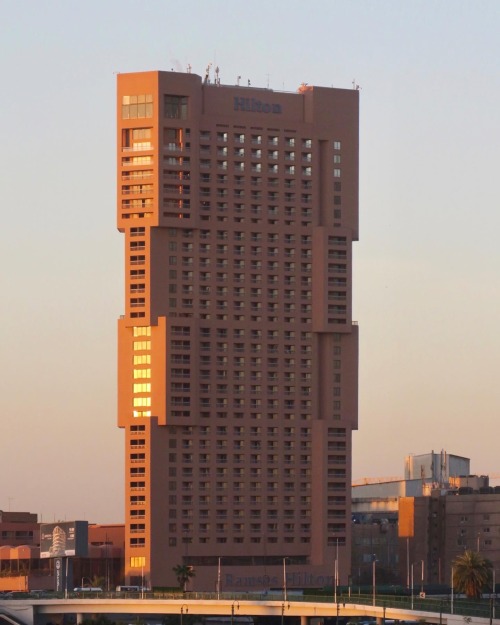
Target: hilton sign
column 251, row 105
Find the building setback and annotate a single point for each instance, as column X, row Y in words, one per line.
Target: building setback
column 237, row 352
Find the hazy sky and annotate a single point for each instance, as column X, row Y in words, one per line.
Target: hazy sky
column 426, row 268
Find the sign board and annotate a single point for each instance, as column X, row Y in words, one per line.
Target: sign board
column 67, row 538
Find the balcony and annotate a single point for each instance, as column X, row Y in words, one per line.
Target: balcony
column 175, row 147
column 138, row 147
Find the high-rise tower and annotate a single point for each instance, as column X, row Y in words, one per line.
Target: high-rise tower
column 238, row 356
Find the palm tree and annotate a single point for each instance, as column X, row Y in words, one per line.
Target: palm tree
column 97, row 581
column 183, row 573
column 471, row 573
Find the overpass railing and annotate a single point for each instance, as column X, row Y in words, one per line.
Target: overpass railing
column 485, row 608
column 437, row 604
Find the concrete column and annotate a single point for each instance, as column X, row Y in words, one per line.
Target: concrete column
column 303, row 620
column 79, row 618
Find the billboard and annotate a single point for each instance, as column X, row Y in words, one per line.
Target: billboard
column 67, row 538
column 406, row 525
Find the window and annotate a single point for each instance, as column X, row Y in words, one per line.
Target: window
column 142, row 388
column 142, row 331
column 137, row 106
column 176, row 107
column 142, row 345
column 141, row 401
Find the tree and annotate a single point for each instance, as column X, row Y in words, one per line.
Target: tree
column 98, row 581
column 183, row 573
column 471, row 573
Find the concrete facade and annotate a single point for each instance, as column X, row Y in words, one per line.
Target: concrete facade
column 238, row 355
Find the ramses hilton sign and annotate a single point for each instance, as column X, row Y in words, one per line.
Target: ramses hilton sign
column 252, row 105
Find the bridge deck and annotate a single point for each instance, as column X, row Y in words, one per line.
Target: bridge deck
column 31, row 611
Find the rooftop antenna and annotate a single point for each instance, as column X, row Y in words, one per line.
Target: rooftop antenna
column 238, row 78
column 248, row 83
column 267, row 80
column 355, row 85
column 207, row 74
column 189, row 68
column 217, row 79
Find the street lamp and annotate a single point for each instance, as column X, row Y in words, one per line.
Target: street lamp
column 232, row 610
column 336, row 572
column 493, row 597
column 184, row 606
column 412, row 585
column 218, row 580
column 283, row 612
column 374, row 560
column 284, row 579
column 422, row 582
column 407, row 562
column 451, row 590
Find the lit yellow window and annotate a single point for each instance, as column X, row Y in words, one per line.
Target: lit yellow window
column 137, row 561
column 142, row 345
column 142, row 401
column 142, row 331
column 139, row 414
column 145, row 359
column 142, row 373
column 142, row 388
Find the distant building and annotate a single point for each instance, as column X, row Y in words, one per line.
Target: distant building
column 436, row 468
column 388, row 517
column 21, row 567
column 438, row 528
column 375, row 535
column 423, row 473
column 17, row 517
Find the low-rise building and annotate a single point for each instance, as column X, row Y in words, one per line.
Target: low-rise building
column 439, row 528
column 430, row 516
column 21, row 567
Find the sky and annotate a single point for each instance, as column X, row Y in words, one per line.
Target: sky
column 426, row 268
